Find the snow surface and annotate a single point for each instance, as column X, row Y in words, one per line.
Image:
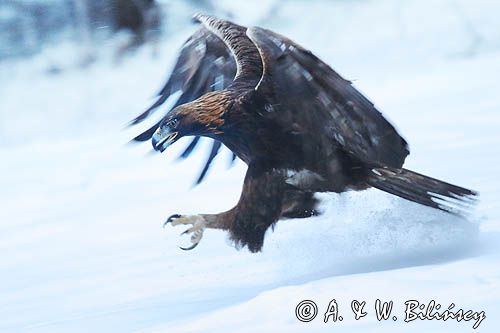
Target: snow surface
column 80, row 222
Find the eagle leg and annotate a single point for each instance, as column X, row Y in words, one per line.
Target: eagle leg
column 259, row 207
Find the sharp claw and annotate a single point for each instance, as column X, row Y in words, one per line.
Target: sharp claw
column 189, row 248
column 198, row 225
column 173, row 217
column 170, row 219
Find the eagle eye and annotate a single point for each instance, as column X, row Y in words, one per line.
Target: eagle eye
column 172, row 123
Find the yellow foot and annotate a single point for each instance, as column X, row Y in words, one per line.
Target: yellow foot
column 198, row 226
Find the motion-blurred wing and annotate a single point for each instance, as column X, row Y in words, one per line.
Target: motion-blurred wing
column 312, row 96
column 204, row 64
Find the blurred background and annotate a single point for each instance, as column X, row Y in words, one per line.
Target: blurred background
column 81, row 243
column 65, row 40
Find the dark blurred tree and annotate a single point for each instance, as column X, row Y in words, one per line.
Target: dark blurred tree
column 142, row 18
column 27, row 25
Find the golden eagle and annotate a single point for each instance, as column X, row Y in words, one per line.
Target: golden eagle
column 298, row 125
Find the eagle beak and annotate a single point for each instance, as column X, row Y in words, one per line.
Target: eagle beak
column 163, row 137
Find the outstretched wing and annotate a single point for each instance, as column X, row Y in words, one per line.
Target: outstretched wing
column 313, row 94
column 204, row 64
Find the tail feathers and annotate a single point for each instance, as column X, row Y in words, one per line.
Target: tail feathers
column 423, row 190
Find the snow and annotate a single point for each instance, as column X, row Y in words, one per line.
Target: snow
column 82, row 245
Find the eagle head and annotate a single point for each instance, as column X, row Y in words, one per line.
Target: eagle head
column 202, row 117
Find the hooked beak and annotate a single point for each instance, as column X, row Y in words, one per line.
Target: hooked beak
column 163, row 137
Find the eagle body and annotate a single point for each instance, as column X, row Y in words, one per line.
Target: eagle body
column 311, row 161
column 298, row 125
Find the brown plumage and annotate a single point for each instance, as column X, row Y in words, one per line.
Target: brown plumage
column 298, row 125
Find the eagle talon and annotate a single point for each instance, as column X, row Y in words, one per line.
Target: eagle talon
column 189, row 248
column 171, row 218
column 197, row 234
column 196, row 230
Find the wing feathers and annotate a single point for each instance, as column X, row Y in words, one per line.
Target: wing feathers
column 215, row 150
column 248, row 62
column 306, row 90
column 187, row 65
column 189, row 149
column 300, row 81
column 204, row 64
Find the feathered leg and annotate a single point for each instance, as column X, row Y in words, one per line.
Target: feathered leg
column 259, row 207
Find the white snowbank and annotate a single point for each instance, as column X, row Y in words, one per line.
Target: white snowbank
column 80, row 224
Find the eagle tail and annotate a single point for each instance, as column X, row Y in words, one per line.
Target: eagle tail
column 423, row 189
